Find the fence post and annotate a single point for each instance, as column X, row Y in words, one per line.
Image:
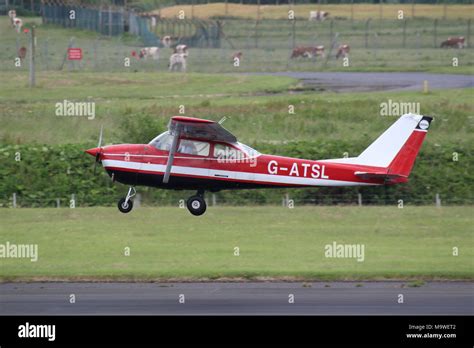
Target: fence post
column 258, row 10
column 213, row 199
column 404, row 32
column 359, row 199
column 438, row 201
column 381, row 12
column 293, row 37
column 256, row 33
column 14, row 200
column 32, row 57
column 138, row 200
column 58, row 203
column 72, row 202
column 352, row 10
column 367, row 26
column 331, row 24
column 100, row 20
column 435, row 32
column 468, row 33
column 110, row 20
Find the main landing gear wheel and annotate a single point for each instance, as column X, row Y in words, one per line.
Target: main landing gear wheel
column 196, row 205
column 125, row 204
column 125, row 207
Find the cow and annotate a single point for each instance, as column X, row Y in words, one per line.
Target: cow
column 343, row 51
column 454, row 42
column 308, row 52
column 318, row 15
column 166, row 41
column 18, row 23
column 178, row 62
column 22, row 53
column 149, row 52
column 12, row 16
column 237, row 55
column 181, row 49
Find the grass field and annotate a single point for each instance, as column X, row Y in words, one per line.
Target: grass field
column 360, row 11
column 254, row 113
column 169, row 243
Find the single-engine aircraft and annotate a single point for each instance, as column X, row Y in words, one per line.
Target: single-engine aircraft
column 201, row 155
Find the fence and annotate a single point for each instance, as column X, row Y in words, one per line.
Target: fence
column 213, row 199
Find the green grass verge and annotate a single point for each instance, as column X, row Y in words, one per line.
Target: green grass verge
column 256, row 107
column 275, row 243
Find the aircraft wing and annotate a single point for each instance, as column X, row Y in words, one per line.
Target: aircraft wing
column 193, row 128
column 200, row 129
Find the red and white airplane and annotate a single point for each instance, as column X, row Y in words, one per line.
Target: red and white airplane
column 201, row 155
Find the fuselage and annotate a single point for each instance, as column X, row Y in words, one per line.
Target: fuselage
column 218, row 165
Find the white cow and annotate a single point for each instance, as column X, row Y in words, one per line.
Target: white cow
column 149, row 52
column 18, row 23
column 181, row 49
column 178, row 62
column 12, row 15
column 166, row 41
column 318, row 15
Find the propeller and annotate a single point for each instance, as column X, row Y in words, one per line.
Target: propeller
column 99, row 146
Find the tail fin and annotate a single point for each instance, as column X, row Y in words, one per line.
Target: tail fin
column 396, row 149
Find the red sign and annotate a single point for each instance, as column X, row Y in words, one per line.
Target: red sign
column 74, row 53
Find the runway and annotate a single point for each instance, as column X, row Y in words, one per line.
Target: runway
column 248, row 298
column 376, row 81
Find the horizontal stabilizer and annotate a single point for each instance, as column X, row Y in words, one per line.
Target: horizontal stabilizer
column 380, row 175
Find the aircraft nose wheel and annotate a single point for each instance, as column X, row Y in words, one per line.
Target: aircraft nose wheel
column 125, row 204
column 196, row 205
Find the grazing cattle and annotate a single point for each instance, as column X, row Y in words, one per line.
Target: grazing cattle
column 166, row 41
column 178, row 62
column 454, row 42
column 318, row 15
column 181, row 49
column 22, row 53
column 12, row 15
column 343, row 51
column 237, row 55
column 149, row 52
column 308, row 52
column 18, row 23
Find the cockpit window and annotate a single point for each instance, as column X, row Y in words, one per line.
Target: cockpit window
column 162, row 141
column 225, row 152
column 250, row 152
column 193, row 147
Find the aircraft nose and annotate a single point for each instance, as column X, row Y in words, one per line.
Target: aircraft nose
column 93, row 152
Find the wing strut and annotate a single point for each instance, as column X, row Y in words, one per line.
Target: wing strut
column 173, row 149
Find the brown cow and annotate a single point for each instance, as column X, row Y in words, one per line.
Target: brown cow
column 343, row 51
column 237, row 55
column 454, row 42
column 308, row 52
column 22, row 53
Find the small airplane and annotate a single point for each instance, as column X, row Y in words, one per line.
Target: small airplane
column 198, row 154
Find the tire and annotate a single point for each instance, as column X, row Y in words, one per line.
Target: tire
column 125, row 208
column 196, row 205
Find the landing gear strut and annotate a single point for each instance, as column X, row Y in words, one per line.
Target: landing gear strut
column 125, row 204
column 196, row 204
